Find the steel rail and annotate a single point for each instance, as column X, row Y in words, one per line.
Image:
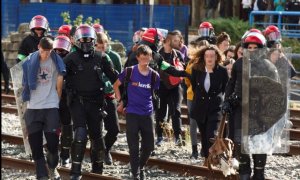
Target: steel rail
column 14, row 163
column 180, row 168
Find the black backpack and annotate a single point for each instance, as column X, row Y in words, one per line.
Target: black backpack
column 155, row 97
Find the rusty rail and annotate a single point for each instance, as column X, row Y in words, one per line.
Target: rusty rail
column 14, row 163
column 180, row 168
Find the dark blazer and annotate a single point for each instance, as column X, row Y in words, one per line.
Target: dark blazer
column 207, row 104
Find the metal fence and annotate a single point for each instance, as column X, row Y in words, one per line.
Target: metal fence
column 121, row 21
column 287, row 21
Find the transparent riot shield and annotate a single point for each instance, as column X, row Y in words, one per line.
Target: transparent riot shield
column 17, row 75
column 265, row 92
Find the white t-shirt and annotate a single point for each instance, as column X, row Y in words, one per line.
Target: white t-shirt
column 45, row 95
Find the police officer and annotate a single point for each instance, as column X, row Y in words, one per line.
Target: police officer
column 273, row 37
column 39, row 28
column 84, row 85
column 252, row 41
column 62, row 46
column 65, row 30
column 206, row 32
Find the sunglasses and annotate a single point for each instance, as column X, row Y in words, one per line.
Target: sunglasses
column 39, row 29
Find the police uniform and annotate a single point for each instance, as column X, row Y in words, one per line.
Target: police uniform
column 85, row 93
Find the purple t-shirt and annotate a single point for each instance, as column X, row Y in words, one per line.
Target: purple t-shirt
column 139, row 91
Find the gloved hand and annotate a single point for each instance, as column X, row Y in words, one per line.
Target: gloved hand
column 226, row 107
column 6, row 89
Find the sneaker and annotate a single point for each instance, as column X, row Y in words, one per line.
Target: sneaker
column 53, row 174
column 159, row 141
column 178, row 142
column 108, row 158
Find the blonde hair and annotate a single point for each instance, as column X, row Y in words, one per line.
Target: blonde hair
column 102, row 38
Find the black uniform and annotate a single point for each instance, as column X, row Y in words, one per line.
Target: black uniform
column 85, row 91
column 29, row 45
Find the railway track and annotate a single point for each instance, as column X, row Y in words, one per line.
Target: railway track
column 294, row 117
column 9, row 162
column 10, row 99
column 180, row 168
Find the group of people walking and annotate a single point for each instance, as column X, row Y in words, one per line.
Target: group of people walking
column 74, row 83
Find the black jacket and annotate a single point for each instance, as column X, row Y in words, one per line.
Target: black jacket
column 82, row 75
column 29, row 45
column 206, row 104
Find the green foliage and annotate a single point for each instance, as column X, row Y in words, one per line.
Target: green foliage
column 78, row 20
column 66, row 17
column 236, row 28
column 97, row 21
column 233, row 26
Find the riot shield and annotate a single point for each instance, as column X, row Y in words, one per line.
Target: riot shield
column 17, row 75
column 265, row 90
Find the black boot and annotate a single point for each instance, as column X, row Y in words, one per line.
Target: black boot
column 244, row 176
column 75, row 171
column 108, row 158
column 194, row 152
column 65, row 157
column 259, row 166
column 41, row 169
column 66, row 142
column 97, row 155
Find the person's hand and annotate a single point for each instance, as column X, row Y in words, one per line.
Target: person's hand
column 226, row 107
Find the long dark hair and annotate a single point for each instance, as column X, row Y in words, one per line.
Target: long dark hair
column 200, row 63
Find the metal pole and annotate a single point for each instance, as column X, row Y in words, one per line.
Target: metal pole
column 151, row 3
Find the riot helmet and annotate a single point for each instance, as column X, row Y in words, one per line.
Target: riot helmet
column 206, row 30
column 273, row 35
column 39, row 22
column 65, row 30
column 254, row 38
column 85, row 38
column 62, row 45
column 98, row 28
column 151, row 37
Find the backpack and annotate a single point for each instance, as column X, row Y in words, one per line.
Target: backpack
column 155, row 97
column 169, row 80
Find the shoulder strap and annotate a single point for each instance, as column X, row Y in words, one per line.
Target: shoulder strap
column 128, row 74
column 153, row 80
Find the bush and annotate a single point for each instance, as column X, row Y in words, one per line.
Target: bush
column 236, row 28
column 233, row 26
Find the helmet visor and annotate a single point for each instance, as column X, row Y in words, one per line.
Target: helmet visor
column 38, row 23
column 204, row 32
column 62, row 44
column 85, row 32
column 274, row 36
